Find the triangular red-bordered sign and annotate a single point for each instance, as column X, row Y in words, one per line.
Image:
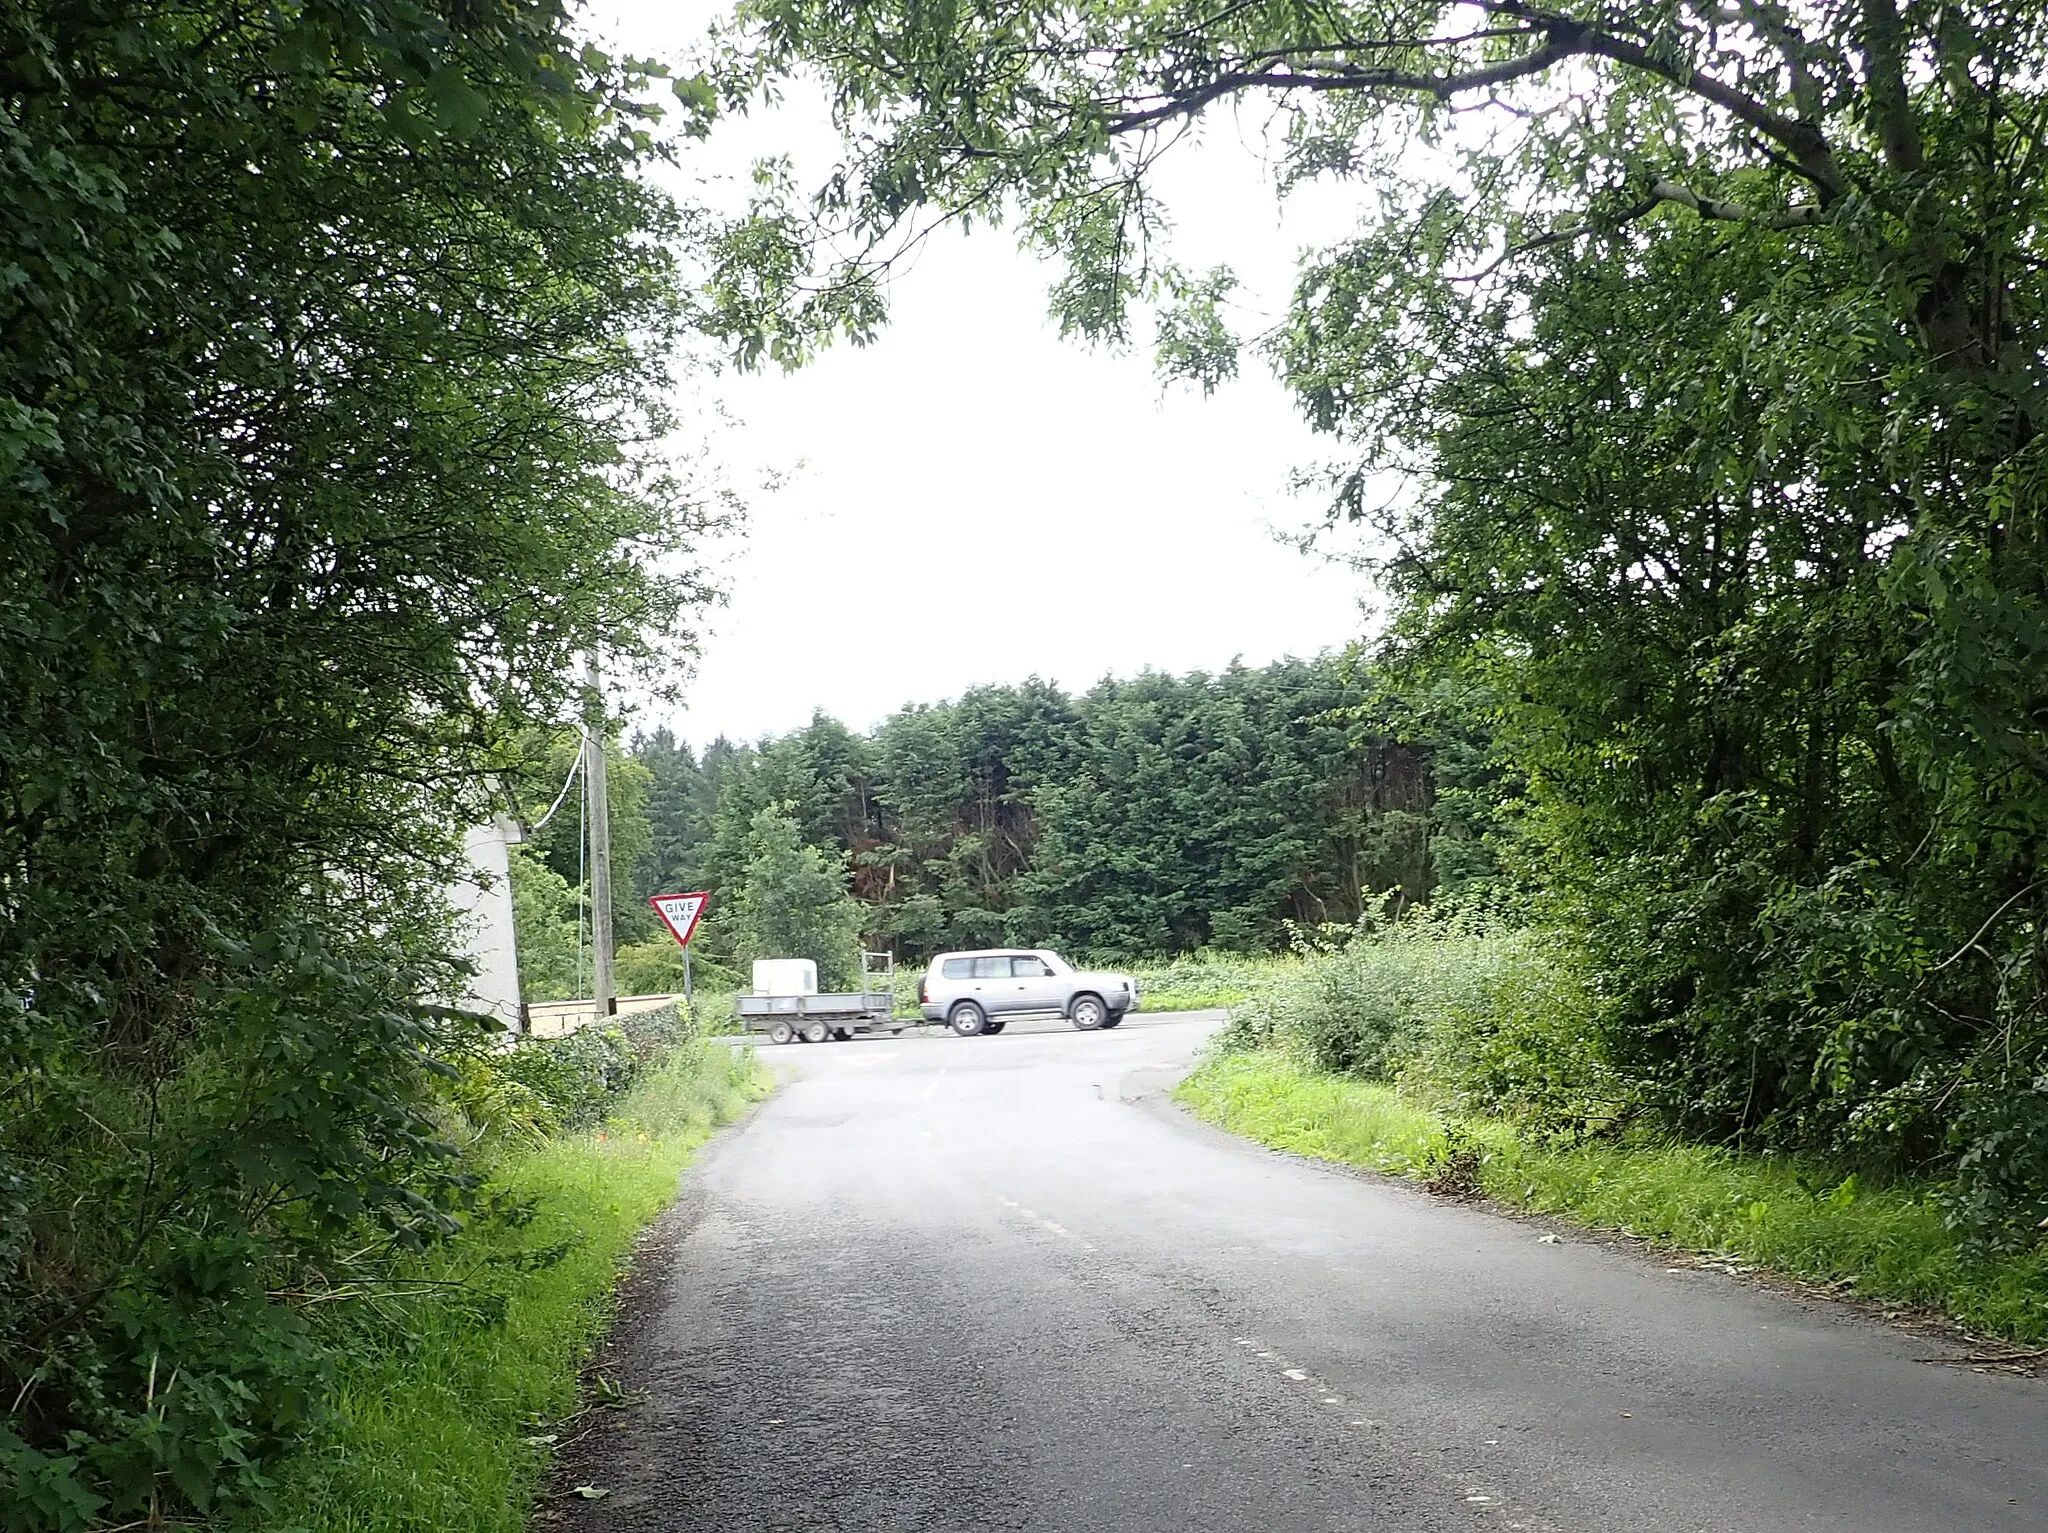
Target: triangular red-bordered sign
column 680, row 913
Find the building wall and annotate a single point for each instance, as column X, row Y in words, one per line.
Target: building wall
column 483, row 901
column 557, row 1019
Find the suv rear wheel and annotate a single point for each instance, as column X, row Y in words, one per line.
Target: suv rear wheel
column 967, row 1019
column 1088, row 1013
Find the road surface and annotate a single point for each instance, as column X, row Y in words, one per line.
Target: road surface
column 999, row 1283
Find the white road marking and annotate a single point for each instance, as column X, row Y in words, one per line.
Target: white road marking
column 1044, row 1223
column 1293, row 1374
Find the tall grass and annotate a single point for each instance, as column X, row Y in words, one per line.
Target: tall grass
column 1371, row 1005
column 448, row 1396
column 1208, row 980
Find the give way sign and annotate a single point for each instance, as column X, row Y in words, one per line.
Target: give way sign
column 679, row 912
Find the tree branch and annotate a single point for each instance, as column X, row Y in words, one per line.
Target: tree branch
column 1799, row 216
column 1891, row 115
column 1804, row 140
column 1340, row 74
column 1564, row 37
column 1561, row 236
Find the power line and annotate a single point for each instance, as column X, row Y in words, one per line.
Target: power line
column 574, row 767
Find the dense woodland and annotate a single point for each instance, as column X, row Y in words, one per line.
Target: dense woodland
column 1149, row 816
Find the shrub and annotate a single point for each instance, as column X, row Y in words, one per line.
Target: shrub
column 655, row 967
column 575, row 1079
column 1458, row 1006
column 437, row 1384
column 1369, row 1006
column 1531, row 1048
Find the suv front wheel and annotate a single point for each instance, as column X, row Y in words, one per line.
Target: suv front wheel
column 1087, row 1013
column 967, row 1019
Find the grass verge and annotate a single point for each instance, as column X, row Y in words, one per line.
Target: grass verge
column 1886, row 1244
column 443, row 1404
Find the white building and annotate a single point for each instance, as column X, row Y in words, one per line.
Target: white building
column 483, row 905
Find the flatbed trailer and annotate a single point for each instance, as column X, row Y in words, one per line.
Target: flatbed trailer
column 834, row 1014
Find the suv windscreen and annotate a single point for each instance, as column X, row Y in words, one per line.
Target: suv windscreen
column 957, row 968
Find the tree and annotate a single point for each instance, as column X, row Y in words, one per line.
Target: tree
column 795, row 903
column 333, row 346
column 546, row 921
column 1863, row 123
column 548, row 757
column 681, row 799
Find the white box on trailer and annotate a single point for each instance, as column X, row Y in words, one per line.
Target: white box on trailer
column 785, row 976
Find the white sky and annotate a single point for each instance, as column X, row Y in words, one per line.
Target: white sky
column 971, row 499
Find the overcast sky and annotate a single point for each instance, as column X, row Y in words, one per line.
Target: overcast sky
column 971, row 499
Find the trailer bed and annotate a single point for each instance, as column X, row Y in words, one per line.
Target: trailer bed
column 831, row 1014
column 831, row 1007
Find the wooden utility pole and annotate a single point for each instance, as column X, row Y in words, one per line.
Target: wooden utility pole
column 599, row 820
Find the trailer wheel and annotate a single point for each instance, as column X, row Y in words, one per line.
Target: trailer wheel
column 967, row 1019
column 842, row 1035
column 782, row 1032
column 817, row 1032
column 1087, row 1013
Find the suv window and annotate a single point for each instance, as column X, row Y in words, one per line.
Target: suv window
column 992, row 968
column 1029, row 968
column 957, row 968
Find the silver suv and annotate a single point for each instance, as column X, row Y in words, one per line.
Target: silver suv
column 979, row 992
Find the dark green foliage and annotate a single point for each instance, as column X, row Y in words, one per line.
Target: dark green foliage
column 1155, row 815
column 548, row 915
column 579, row 1077
column 1803, row 937
column 793, row 902
column 1214, row 810
column 681, row 798
column 559, row 845
column 330, row 347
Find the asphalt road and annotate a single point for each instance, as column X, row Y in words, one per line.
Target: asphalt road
column 998, row 1283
